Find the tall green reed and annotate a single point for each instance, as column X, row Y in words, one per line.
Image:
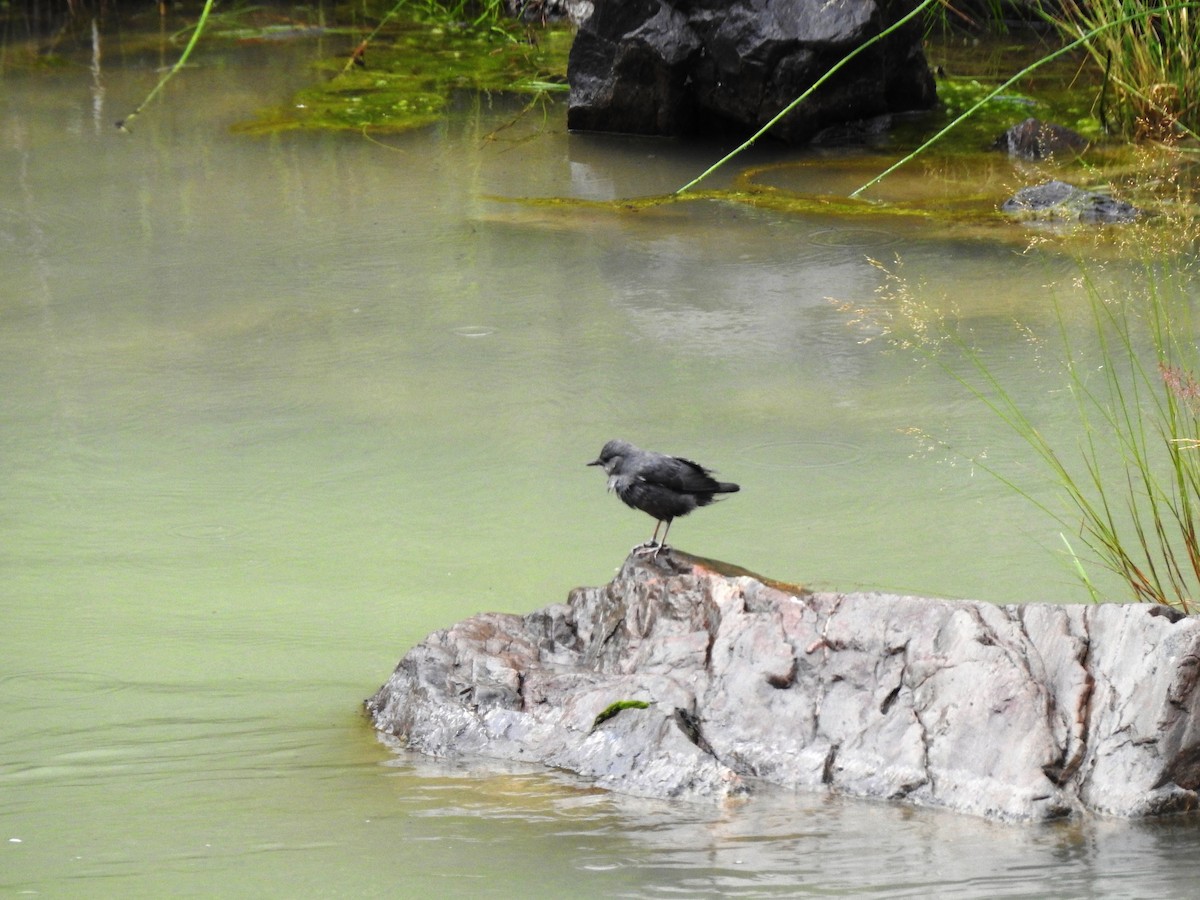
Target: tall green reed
column 1128, row 469
column 1131, row 480
column 123, row 124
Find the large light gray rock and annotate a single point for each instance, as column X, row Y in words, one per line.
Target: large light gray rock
column 1010, row 712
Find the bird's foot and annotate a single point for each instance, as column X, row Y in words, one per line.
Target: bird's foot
column 650, row 549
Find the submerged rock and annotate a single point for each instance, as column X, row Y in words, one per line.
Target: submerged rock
column 1022, row 712
column 1059, row 202
column 1034, row 139
column 669, row 67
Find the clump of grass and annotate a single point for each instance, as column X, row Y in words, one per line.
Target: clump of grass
column 1150, row 57
column 477, row 12
column 1130, row 472
column 1133, row 480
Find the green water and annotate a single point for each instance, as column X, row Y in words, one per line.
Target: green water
column 272, row 410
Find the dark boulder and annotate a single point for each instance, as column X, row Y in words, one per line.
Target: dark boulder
column 677, row 680
column 672, row 67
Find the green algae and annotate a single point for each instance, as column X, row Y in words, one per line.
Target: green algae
column 405, row 77
column 617, row 707
column 941, row 198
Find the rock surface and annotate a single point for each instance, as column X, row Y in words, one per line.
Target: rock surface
column 675, row 67
column 1016, row 713
column 1056, row 202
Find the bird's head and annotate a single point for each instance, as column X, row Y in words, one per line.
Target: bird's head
column 613, row 455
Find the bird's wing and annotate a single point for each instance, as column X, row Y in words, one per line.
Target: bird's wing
column 678, row 474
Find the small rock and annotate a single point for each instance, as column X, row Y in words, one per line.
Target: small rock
column 1057, row 201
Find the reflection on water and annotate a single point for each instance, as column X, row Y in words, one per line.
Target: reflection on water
column 271, row 410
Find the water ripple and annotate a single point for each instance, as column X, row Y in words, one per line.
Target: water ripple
column 802, row 454
column 853, row 237
column 474, row 331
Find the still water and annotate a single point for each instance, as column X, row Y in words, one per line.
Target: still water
column 273, row 409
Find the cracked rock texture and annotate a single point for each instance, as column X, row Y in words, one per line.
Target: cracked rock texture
column 1021, row 712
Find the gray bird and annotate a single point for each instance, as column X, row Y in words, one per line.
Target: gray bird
column 662, row 486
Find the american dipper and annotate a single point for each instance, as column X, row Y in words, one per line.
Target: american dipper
column 660, row 485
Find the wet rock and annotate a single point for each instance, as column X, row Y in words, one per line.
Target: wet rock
column 1010, row 712
column 1059, row 202
column 1034, row 139
column 670, row 67
column 549, row 10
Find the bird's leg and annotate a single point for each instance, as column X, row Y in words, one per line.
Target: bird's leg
column 663, row 545
column 651, row 544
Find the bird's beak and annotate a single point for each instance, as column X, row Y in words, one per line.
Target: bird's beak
column 596, row 462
